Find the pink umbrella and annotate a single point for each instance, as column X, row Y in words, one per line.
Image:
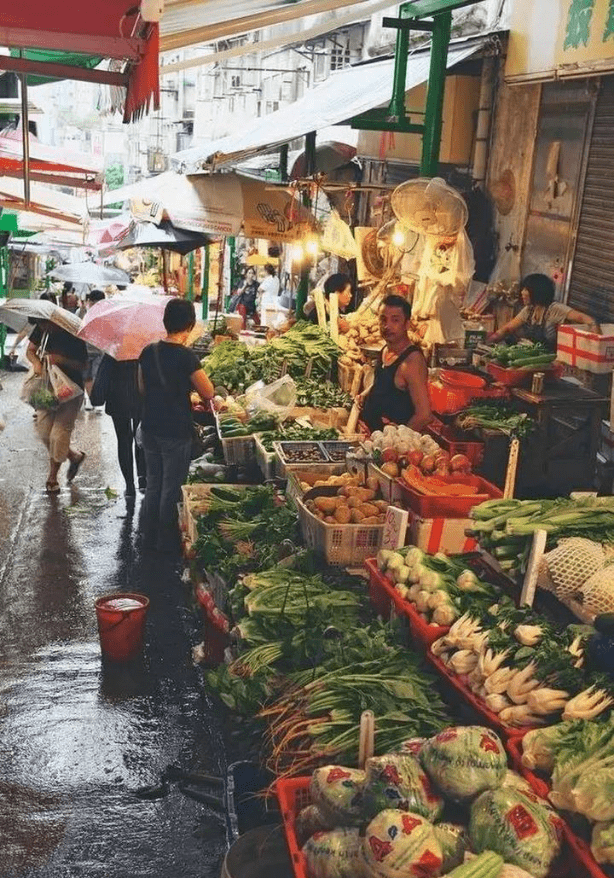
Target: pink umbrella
column 122, row 327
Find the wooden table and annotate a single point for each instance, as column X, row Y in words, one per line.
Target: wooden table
column 561, row 454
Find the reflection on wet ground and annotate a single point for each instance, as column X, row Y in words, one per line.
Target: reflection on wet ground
column 78, row 736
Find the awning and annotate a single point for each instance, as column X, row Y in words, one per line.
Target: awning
column 338, row 99
column 49, row 164
column 62, row 41
column 43, row 200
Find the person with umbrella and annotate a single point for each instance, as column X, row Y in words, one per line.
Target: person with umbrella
column 55, row 426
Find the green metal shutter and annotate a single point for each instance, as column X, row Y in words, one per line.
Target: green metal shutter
column 591, row 279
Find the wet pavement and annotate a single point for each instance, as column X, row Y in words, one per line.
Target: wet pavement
column 79, row 736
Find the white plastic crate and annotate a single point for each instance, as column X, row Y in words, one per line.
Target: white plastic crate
column 264, row 459
column 191, row 496
column 586, row 350
column 237, row 449
column 342, row 545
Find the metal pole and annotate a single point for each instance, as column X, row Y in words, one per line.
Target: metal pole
column 435, row 94
column 284, row 162
column 190, row 290
column 397, row 107
column 205, row 283
column 25, row 134
column 310, row 153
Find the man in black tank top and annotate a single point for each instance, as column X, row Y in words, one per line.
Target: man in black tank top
column 399, row 392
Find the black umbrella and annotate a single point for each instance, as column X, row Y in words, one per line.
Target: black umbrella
column 165, row 236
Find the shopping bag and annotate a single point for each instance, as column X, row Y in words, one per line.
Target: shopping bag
column 63, row 387
column 37, row 392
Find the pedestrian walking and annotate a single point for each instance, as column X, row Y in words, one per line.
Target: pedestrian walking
column 55, row 426
column 168, row 371
column 94, row 354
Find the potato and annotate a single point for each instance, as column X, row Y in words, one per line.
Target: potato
column 354, row 502
column 327, row 505
column 320, row 484
column 369, row 510
column 365, row 494
column 342, row 514
column 382, row 505
column 382, row 518
column 329, row 519
column 341, row 492
column 356, row 516
column 372, row 483
column 371, row 519
column 311, row 506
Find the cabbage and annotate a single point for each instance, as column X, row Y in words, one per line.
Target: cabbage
column 519, row 826
column 454, row 842
column 338, row 793
column 464, row 761
column 400, row 844
column 412, row 746
column 602, row 842
column 398, row 781
column 514, row 780
column 308, row 821
column 334, row 854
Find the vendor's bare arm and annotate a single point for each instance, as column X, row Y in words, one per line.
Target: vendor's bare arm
column 414, row 371
column 201, row 383
column 33, row 358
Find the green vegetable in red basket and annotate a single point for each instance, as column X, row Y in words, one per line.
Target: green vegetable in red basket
column 338, row 793
column 398, row 781
column 401, row 844
column 334, row 854
column 309, row 821
column 465, row 760
column 454, row 842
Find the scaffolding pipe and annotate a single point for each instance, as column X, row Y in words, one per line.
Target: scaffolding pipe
column 483, row 121
column 25, row 135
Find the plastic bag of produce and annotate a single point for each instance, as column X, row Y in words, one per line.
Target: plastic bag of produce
column 602, row 842
column 464, row 761
column 454, row 842
column 338, row 793
column 519, row 826
column 277, row 398
column 412, row 746
column 398, row 781
column 400, row 844
column 309, row 821
column 334, row 854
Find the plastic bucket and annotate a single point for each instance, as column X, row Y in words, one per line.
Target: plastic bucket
column 121, row 624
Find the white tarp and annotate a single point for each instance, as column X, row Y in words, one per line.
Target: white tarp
column 342, row 96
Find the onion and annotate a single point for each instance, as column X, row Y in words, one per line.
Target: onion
column 428, row 463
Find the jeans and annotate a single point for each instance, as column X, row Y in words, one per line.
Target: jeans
column 167, row 462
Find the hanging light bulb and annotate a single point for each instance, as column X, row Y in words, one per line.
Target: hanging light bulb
column 398, row 237
column 311, row 246
column 297, row 252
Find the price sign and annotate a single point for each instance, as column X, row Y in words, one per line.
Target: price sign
column 395, row 527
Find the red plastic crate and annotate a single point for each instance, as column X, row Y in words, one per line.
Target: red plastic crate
column 215, row 627
column 446, row 437
column 514, row 747
column 423, row 632
column 516, row 377
column 293, row 795
column 446, row 399
column 443, row 506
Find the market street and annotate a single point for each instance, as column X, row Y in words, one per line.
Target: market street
column 76, row 738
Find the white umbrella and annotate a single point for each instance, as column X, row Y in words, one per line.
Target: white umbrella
column 90, row 273
column 15, row 313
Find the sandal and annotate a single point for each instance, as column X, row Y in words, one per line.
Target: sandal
column 52, row 487
column 73, row 469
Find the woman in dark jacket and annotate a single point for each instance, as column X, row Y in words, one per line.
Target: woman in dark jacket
column 123, row 403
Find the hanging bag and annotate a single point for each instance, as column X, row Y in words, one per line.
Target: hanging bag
column 36, row 389
column 100, row 387
column 64, row 388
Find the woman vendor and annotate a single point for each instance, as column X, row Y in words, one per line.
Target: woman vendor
column 399, row 393
column 336, row 283
column 540, row 316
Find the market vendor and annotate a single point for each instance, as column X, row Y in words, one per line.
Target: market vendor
column 399, row 392
column 540, row 316
column 335, row 283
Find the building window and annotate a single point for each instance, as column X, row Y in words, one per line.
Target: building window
column 235, row 81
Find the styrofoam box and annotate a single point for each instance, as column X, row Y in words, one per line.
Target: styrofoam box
column 389, row 488
column 586, row 350
column 441, row 534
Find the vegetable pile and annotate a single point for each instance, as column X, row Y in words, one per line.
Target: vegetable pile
column 394, row 448
column 292, row 432
column 390, row 820
column 233, row 426
column 354, row 504
column 505, row 527
column 522, row 356
column 496, row 416
column 578, row 757
column 364, row 331
column 437, row 486
column 322, row 394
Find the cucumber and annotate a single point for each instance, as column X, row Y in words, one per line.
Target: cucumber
column 486, row 865
column 542, row 360
column 227, row 494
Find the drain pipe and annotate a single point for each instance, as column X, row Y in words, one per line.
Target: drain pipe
column 483, row 122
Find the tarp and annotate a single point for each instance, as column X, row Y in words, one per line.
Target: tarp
column 43, row 200
column 48, row 163
column 339, row 98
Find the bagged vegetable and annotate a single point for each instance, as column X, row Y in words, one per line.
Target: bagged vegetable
column 412, row 746
column 338, row 793
column 334, row 854
column 401, row 844
column 514, row 780
column 398, row 781
column 309, row 821
column 277, row 398
column 464, row 761
column 519, row 826
column 602, row 842
column 454, row 842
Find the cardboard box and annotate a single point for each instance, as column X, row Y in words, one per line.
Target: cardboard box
column 606, row 441
column 586, row 350
column 441, row 534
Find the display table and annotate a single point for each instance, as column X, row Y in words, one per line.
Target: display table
column 561, row 454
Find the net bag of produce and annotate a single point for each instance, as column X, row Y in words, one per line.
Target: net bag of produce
column 398, row 781
column 401, row 844
column 464, row 761
column 338, row 793
column 454, row 842
column 597, row 592
column 334, row 854
column 519, row 826
column 573, row 561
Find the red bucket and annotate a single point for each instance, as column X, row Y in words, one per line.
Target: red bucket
column 121, row 624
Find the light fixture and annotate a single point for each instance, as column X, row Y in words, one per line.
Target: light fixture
column 297, row 252
column 311, row 246
column 398, row 237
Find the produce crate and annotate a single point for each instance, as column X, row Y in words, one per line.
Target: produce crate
column 191, row 494
column 444, row 506
column 237, row 449
column 586, row 350
column 447, row 438
column 446, row 399
column 282, row 460
column 510, row 377
column 293, row 795
column 309, row 474
column 265, row 459
column 421, row 630
column 389, row 487
column 336, row 451
column 342, row 545
column 446, row 535
column 335, row 417
column 579, row 848
column 346, row 376
column 215, row 627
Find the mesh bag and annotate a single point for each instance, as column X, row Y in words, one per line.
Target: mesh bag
column 572, row 563
column 597, row 591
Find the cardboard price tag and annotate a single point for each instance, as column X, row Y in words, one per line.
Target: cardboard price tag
column 395, row 527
